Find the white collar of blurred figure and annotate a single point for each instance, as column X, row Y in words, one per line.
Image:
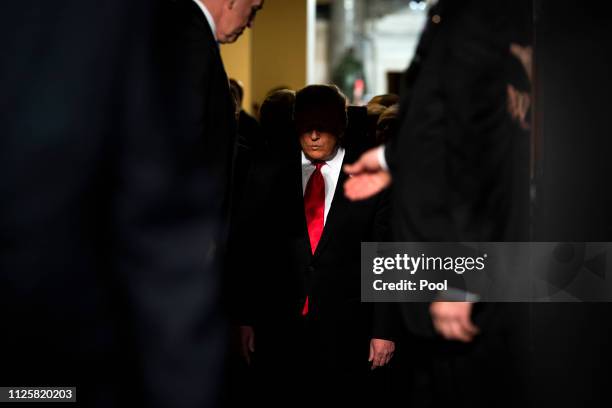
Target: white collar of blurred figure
column 209, row 17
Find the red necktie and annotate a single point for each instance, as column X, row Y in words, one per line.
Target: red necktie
column 314, row 208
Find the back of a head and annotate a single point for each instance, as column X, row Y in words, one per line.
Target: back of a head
column 322, row 108
column 388, row 124
column 385, row 100
column 237, row 89
column 375, row 110
column 276, row 118
column 277, row 109
column 279, row 88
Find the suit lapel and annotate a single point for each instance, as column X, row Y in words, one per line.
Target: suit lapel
column 338, row 209
column 300, row 215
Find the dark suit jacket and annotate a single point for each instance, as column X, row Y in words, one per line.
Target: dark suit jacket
column 109, row 216
column 460, row 169
column 278, row 269
column 196, row 89
column 454, row 160
column 460, row 165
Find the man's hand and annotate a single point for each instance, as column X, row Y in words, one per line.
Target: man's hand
column 247, row 342
column 381, row 352
column 452, row 320
column 367, row 177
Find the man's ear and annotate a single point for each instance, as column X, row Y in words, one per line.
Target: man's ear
column 230, row 4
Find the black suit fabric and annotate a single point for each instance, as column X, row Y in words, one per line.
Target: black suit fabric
column 460, row 170
column 109, row 210
column 455, row 151
column 327, row 350
column 197, row 92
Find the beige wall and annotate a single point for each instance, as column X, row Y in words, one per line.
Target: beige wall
column 273, row 53
column 279, row 47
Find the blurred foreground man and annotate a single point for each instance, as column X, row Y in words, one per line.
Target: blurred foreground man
column 114, row 176
column 460, row 173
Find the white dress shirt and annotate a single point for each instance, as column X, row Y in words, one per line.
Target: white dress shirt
column 380, row 152
column 330, row 171
column 209, row 17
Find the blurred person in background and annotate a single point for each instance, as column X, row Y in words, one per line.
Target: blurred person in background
column 374, row 112
column 387, row 124
column 386, row 100
column 277, row 125
column 376, row 107
column 248, row 127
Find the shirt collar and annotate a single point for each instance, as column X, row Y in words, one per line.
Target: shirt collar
column 209, row 17
column 335, row 162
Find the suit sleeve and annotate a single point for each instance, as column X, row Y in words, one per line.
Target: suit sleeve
column 450, row 157
column 169, row 242
column 385, row 317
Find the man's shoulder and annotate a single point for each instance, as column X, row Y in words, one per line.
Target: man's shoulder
column 351, row 155
column 187, row 23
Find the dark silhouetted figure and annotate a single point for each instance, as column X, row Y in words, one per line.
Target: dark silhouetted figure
column 114, row 183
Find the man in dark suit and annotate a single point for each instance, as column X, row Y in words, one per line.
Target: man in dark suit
column 302, row 315
column 196, row 84
column 109, row 216
column 460, row 174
